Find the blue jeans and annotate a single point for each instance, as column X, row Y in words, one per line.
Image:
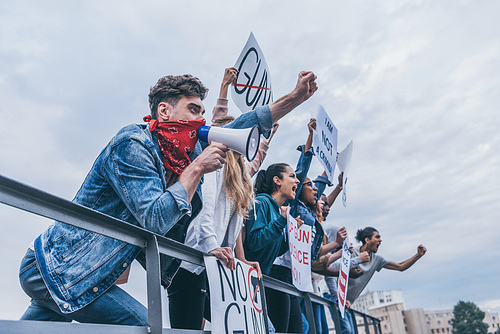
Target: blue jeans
column 113, row 307
column 322, row 320
column 346, row 324
column 305, row 324
column 319, row 318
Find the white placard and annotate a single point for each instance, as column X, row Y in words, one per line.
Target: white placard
column 343, row 279
column 325, row 141
column 235, row 299
column 344, row 161
column 253, row 83
column 299, row 241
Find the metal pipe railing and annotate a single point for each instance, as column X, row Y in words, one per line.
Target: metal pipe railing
column 33, row 200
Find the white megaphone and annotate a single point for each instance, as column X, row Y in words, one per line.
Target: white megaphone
column 243, row 141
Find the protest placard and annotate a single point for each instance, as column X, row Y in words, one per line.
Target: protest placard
column 343, row 279
column 236, row 299
column 253, row 82
column 325, row 141
column 344, row 161
column 299, row 239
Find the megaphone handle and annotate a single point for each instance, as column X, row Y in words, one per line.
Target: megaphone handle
column 216, row 142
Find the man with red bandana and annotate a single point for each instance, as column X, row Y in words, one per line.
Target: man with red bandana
column 148, row 175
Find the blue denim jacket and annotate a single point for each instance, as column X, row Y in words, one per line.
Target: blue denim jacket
column 298, row 208
column 127, row 181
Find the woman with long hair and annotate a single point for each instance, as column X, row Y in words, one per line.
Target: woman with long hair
column 227, row 197
column 276, row 188
column 283, row 309
column 265, row 228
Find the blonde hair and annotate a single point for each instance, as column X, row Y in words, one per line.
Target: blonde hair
column 238, row 186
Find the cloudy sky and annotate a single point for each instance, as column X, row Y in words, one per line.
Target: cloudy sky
column 412, row 83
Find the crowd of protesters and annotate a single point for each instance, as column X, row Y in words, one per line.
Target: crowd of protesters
column 158, row 176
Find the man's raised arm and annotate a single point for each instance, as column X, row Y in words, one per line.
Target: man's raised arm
column 402, row 266
column 305, row 88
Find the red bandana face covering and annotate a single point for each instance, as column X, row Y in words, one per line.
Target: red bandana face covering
column 177, row 139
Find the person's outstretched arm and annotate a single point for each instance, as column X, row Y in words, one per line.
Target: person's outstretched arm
column 305, row 158
column 339, row 240
column 402, row 266
column 220, row 108
column 304, row 89
column 333, row 195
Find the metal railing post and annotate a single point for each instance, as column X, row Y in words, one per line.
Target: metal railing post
column 367, row 327
column 354, row 322
column 309, row 313
column 155, row 315
column 264, row 303
column 336, row 317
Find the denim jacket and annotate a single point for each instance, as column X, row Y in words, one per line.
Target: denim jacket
column 127, row 181
column 298, row 208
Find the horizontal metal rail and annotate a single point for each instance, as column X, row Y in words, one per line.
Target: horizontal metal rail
column 30, row 199
column 44, row 327
column 33, row 200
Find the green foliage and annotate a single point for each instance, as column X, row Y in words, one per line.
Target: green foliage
column 468, row 319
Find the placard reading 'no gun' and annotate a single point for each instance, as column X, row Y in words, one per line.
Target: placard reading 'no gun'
column 253, row 83
column 299, row 239
column 235, row 299
column 344, row 276
column 325, row 141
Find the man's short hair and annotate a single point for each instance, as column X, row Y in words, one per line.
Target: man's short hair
column 367, row 232
column 325, row 199
column 172, row 88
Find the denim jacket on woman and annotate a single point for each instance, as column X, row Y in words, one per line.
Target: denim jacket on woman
column 127, row 181
column 298, row 208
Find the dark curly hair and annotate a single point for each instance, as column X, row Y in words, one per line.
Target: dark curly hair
column 172, row 88
column 367, row 232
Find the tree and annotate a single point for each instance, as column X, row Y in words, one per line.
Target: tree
column 468, row 319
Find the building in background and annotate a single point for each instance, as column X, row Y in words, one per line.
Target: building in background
column 491, row 318
column 415, row 321
column 388, row 306
column 392, row 318
column 439, row 321
column 376, row 299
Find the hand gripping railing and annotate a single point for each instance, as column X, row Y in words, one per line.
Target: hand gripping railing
column 33, row 200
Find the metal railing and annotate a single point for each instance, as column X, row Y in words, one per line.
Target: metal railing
column 33, row 200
